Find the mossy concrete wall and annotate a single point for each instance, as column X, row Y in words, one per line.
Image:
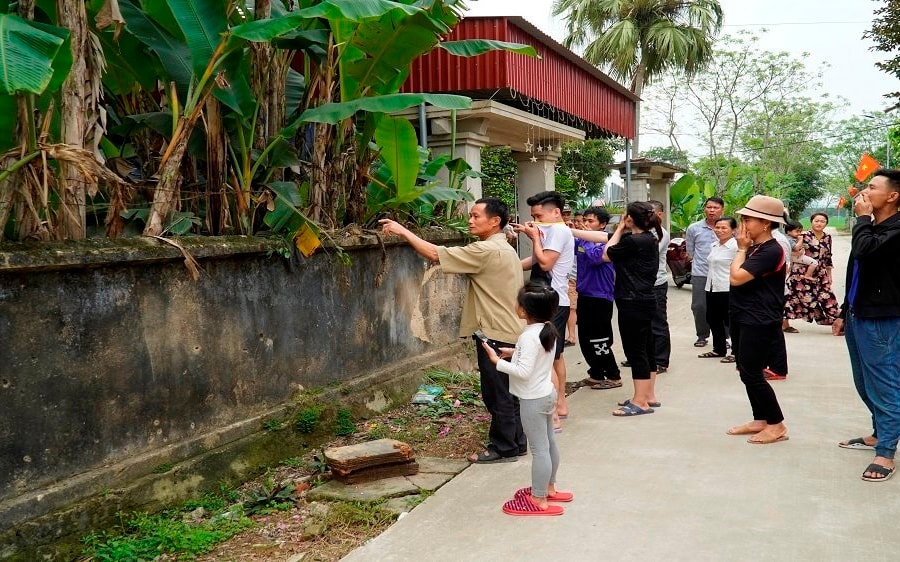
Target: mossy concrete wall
column 115, row 362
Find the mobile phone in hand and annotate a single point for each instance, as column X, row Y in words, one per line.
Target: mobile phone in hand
column 484, row 339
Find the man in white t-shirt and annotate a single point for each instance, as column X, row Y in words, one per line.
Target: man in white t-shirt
column 551, row 260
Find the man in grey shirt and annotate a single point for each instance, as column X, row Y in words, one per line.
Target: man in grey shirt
column 699, row 237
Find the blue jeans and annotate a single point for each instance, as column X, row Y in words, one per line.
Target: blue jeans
column 874, row 346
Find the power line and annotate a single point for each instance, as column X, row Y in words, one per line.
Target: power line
column 775, row 23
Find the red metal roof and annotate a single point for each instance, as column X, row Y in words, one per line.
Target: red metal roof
column 560, row 85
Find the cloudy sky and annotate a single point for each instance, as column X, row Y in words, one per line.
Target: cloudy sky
column 828, row 30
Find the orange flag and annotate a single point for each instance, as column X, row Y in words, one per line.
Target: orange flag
column 867, row 166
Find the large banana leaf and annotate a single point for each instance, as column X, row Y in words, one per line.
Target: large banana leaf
column 475, row 47
column 62, row 63
column 127, row 56
column 355, row 10
column 294, row 90
column 161, row 12
column 397, row 139
column 334, row 10
column 202, row 22
column 286, row 215
column 377, row 56
column 238, row 95
column 27, row 55
column 392, row 103
column 174, row 55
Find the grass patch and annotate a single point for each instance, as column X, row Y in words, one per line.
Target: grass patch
column 145, row 537
column 453, row 379
column 358, row 516
column 344, row 424
column 307, row 419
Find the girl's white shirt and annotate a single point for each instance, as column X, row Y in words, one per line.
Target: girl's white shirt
column 531, row 366
column 720, row 258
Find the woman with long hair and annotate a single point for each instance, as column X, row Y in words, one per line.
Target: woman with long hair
column 812, row 299
column 634, row 252
column 757, row 303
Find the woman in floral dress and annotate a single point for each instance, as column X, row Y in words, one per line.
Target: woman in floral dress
column 812, row 300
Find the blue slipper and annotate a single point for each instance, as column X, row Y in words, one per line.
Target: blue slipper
column 631, row 409
column 651, row 404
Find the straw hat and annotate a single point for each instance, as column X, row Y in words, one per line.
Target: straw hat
column 764, row 207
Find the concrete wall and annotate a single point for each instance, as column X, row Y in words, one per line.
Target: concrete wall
column 113, row 353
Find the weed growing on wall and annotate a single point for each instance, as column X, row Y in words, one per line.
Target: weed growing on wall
column 344, row 424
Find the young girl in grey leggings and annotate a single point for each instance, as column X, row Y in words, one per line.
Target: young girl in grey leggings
column 530, row 368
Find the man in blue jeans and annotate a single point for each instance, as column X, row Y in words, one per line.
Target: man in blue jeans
column 870, row 318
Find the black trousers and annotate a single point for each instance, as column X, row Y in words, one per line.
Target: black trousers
column 595, row 337
column 662, row 341
column 635, row 318
column 751, row 345
column 505, row 434
column 717, row 318
column 778, row 361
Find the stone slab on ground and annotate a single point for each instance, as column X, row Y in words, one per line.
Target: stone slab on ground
column 344, row 460
column 437, row 464
column 373, row 473
column 430, row 481
column 368, row 492
column 402, row 505
column 433, row 473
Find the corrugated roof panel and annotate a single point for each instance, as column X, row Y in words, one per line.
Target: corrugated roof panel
column 559, row 80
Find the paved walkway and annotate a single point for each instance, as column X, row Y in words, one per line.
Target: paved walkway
column 673, row 485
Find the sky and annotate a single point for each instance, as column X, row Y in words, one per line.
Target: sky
column 828, row 30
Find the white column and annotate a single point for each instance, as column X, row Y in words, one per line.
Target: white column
column 536, row 173
column 470, row 137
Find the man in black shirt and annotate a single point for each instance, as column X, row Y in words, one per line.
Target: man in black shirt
column 870, row 317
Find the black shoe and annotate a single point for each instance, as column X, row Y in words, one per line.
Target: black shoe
column 660, row 370
column 625, row 364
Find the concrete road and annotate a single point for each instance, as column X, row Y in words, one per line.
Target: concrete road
column 672, row 485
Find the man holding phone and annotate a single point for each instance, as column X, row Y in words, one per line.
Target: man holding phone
column 495, row 277
column 551, row 261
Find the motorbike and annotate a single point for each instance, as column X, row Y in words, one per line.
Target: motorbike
column 679, row 261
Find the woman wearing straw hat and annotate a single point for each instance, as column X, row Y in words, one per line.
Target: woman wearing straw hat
column 756, row 306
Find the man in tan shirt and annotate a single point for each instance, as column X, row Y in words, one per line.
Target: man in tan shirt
column 495, row 277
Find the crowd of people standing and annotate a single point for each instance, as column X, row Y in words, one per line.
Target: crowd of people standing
column 749, row 279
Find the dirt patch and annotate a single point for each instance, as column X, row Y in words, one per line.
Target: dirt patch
column 285, row 526
column 453, row 427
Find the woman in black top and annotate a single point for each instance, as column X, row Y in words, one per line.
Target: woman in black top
column 756, row 306
column 634, row 253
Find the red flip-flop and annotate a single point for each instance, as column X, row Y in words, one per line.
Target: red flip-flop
column 523, row 506
column 557, row 497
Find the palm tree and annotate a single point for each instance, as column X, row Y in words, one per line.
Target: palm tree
column 638, row 40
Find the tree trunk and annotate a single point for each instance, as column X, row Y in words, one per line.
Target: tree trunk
column 166, row 196
column 269, row 79
column 216, row 169
column 636, row 192
column 75, row 110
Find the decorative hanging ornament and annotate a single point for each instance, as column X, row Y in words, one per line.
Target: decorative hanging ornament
column 533, row 158
column 529, row 147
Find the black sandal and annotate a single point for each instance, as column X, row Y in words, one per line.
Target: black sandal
column 710, row 354
column 489, row 456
